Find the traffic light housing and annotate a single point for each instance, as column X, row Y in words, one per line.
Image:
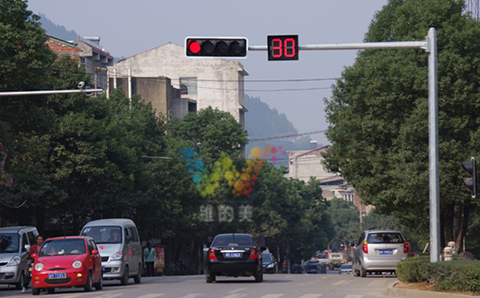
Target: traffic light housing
column 216, row 47
column 471, row 182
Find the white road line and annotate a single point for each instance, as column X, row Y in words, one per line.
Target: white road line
column 311, row 296
column 353, row 296
column 342, row 282
column 109, row 295
column 192, row 295
column 272, row 296
column 235, row 296
column 237, row 290
column 151, row 295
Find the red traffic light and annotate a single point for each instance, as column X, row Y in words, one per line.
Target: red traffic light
column 216, row 47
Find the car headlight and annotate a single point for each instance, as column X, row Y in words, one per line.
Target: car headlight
column 14, row 261
column 270, row 265
column 39, row 267
column 116, row 256
column 77, row 264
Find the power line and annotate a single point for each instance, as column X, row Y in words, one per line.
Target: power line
column 287, row 136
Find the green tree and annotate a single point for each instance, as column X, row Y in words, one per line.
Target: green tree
column 346, row 221
column 378, row 114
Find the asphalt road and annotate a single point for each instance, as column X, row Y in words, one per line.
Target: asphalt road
column 331, row 285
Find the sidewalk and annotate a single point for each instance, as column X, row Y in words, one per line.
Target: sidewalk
column 402, row 292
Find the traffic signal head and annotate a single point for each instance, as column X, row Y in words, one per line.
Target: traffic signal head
column 471, row 182
column 216, row 47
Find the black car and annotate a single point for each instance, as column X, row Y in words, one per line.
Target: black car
column 269, row 263
column 233, row 255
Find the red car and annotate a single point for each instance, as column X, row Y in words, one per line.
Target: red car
column 71, row 261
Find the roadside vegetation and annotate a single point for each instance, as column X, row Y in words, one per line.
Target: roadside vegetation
column 456, row 275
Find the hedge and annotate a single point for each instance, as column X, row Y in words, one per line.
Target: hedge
column 456, row 275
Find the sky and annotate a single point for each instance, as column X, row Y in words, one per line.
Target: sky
column 298, row 90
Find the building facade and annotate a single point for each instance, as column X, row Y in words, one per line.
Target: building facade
column 214, row 82
column 89, row 53
column 304, row 164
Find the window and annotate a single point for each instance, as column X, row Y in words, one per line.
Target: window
column 188, row 86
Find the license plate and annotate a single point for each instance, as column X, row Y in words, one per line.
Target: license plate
column 103, row 268
column 57, row 275
column 232, row 255
column 386, row 252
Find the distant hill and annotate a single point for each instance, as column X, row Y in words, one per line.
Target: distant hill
column 264, row 124
column 57, row 30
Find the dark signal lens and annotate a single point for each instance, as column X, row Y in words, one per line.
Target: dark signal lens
column 208, row 47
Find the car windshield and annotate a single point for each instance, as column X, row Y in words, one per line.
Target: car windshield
column 104, row 234
column 233, row 240
column 346, row 266
column 385, row 238
column 9, row 243
column 336, row 255
column 267, row 257
column 63, row 247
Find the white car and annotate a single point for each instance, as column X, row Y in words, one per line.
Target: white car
column 345, row 269
column 379, row 251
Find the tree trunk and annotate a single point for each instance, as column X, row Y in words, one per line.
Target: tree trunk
column 463, row 227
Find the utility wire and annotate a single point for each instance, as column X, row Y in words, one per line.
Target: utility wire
column 286, row 136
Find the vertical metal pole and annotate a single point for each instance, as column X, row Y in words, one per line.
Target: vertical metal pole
column 433, row 147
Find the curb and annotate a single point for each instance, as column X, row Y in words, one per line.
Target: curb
column 400, row 292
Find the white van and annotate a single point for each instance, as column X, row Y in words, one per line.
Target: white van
column 119, row 245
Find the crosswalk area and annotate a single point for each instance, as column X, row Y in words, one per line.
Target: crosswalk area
column 276, row 286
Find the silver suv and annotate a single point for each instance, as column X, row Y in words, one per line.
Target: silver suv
column 378, row 251
column 15, row 242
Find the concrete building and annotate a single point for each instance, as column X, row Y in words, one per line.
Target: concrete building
column 165, row 99
column 304, row 164
column 214, row 82
column 89, row 53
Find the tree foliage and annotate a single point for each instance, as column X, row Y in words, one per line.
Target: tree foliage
column 378, row 113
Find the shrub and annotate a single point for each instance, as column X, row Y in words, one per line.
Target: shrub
column 456, row 275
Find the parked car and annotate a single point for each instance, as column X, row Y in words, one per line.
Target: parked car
column 70, row 261
column 269, row 263
column 379, row 251
column 15, row 242
column 119, row 246
column 345, row 269
column 233, row 255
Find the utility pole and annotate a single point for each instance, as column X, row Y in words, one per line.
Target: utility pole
column 285, row 47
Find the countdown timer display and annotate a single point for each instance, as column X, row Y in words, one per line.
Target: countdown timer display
column 282, row 47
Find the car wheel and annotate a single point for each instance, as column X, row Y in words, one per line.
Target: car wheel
column 51, row 290
column 99, row 285
column 88, row 285
column 138, row 278
column 20, row 282
column 354, row 270
column 124, row 279
column 210, row 278
column 35, row 291
column 259, row 276
column 363, row 272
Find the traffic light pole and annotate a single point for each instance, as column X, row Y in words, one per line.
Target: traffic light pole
column 430, row 46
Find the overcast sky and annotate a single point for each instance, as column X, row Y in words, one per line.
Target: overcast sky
column 129, row 27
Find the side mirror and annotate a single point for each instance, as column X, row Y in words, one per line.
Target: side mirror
column 26, row 247
column 94, row 252
column 33, row 256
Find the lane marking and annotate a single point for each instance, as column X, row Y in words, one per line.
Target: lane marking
column 150, row 295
